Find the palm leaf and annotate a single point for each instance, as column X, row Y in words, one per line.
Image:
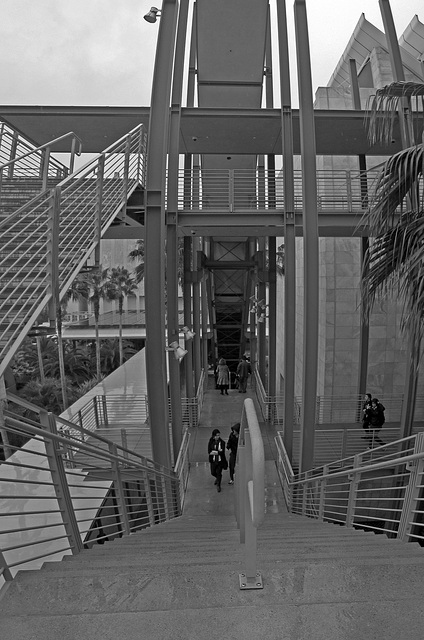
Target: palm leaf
column 383, row 108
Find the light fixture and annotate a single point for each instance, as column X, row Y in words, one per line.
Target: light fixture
column 179, row 352
column 189, row 335
column 152, row 15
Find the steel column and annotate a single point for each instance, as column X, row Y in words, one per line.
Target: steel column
column 154, row 280
column 172, row 231
column 364, row 332
column 289, row 230
column 310, row 238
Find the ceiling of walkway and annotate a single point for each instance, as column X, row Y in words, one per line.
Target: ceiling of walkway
column 208, row 131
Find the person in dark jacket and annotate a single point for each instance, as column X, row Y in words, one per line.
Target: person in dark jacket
column 376, row 420
column 217, row 459
column 232, row 445
column 243, row 371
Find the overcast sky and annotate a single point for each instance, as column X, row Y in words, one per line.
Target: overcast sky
column 101, row 52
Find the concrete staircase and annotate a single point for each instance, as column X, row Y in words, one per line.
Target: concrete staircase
column 179, row 580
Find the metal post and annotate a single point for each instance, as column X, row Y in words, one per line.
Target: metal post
column 45, row 168
column 60, row 484
column 413, row 491
column 289, row 230
column 119, row 489
column 272, row 326
column 196, row 314
column 53, row 253
column 364, row 328
column 187, row 294
column 310, row 239
column 172, row 231
column 355, row 479
column 154, row 281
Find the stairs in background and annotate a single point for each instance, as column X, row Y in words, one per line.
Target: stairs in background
column 180, row 580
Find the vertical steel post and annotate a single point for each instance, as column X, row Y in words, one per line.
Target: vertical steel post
column 310, row 239
column 119, row 489
column 364, row 327
column 172, row 230
column 196, row 313
column 154, row 280
column 187, row 294
column 60, row 484
column 289, row 230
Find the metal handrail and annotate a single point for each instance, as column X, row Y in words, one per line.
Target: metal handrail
column 250, row 491
column 71, row 485
column 46, row 145
column 374, row 490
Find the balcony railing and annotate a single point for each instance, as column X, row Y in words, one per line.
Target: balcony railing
column 233, row 190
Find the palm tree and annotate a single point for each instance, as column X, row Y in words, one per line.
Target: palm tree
column 394, row 262
column 137, row 255
column 78, row 290
column 98, row 285
column 395, row 258
column 121, row 284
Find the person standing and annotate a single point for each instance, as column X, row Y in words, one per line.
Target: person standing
column 232, row 446
column 223, row 379
column 218, row 461
column 243, row 371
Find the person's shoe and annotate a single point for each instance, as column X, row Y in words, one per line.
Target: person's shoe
column 240, row 391
column 231, row 482
column 226, row 393
column 216, row 482
column 218, row 489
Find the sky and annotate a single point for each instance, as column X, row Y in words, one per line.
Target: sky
column 101, row 52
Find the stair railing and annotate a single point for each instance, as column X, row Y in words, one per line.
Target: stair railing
column 376, row 490
column 47, row 241
column 250, row 491
column 66, row 492
column 38, row 163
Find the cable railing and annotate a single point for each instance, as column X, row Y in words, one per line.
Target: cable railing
column 61, row 493
column 47, row 241
column 331, row 409
column 250, row 491
column 376, row 490
column 22, row 161
column 235, row 190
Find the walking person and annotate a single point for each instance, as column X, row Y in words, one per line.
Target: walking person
column 376, row 421
column 217, row 459
column 366, row 409
column 232, row 446
column 223, row 378
column 243, row 371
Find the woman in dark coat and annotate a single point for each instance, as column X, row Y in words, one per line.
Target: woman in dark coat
column 217, row 459
column 232, row 446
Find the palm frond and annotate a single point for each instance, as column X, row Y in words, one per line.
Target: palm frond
column 383, row 108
